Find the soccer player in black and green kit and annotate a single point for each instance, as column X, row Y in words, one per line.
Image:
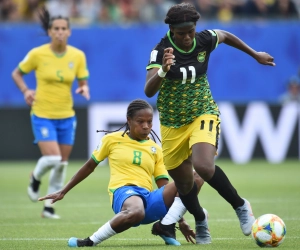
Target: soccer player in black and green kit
column 189, row 116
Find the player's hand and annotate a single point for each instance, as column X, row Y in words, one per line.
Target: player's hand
column 84, row 91
column 168, row 59
column 29, row 95
column 264, row 58
column 186, row 230
column 54, row 197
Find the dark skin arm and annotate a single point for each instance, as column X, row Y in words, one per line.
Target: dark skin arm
column 233, row 41
column 82, row 173
column 161, row 182
column 186, row 230
column 153, row 80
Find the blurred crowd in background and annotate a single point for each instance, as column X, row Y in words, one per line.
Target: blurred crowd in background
column 88, row 12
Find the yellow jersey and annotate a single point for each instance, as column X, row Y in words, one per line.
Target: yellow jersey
column 54, row 78
column 131, row 162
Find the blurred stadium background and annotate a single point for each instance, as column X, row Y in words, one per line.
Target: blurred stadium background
column 117, row 37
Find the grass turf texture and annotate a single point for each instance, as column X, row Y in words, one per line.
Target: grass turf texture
column 270, row 189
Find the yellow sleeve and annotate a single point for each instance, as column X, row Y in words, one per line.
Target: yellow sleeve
column 29, row 63
column 82, row 71
column 160, row 170
column 102, row 150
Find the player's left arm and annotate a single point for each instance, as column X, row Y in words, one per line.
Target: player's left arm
column 186, row 230
column 161, row 182
column 160, row 173
column 232, row 40
column 82, row 76
column 83, row 89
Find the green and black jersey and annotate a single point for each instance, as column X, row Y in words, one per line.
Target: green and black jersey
column 185, row 92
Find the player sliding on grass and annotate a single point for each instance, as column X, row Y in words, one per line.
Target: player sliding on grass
column 134, row 158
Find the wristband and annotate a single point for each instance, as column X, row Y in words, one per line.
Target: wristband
column 161, row 73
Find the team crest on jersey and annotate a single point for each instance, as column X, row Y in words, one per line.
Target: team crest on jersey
column 153, row 150
column 201, row 56
column 71, row 65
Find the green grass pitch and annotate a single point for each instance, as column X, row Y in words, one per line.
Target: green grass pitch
column 270, row 189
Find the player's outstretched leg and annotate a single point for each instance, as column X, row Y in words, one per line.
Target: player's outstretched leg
column 166, row 232
column 246, row 217
column 202, row 231
column 75, row 242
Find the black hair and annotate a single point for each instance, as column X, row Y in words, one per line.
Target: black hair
column 181, row 13
column 132, row 108
column 46, row 20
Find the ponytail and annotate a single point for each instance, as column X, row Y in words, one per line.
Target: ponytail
column 46, row 20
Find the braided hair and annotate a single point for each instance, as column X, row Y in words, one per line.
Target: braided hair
column 132, row 108
column 181, row 13
column 46, row 20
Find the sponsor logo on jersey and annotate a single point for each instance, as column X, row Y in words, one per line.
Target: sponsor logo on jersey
column 71, row 65
column 201, row 56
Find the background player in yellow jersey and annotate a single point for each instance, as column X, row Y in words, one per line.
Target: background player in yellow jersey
column 189, row 116
column 53, row 119
column 133, row 159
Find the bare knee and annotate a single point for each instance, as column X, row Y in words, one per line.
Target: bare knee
column 133, row 216
column 203, row 159
column 205, row 169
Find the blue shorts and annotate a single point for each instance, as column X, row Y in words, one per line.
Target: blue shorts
column 155, row 208
column 60, row 130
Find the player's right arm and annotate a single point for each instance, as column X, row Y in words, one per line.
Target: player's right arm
column 99, row 154
column 82, row 173
column 153, row 79
column 17, row 76
column 26, row 65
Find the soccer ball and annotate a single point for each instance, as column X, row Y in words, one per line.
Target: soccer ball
column 268, row 230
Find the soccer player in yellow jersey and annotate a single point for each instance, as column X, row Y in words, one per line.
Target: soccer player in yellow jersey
column 133, row 159
column 188, row 113
column 53, row 119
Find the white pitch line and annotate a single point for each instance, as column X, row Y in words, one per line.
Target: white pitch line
column 25, row 205
column 30, row 206
column 102, row 222
column 121, row 239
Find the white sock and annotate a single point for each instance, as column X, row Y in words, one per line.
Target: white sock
column 102, row 234
column 44, row 164
column 175, row 213
column 56, row 179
